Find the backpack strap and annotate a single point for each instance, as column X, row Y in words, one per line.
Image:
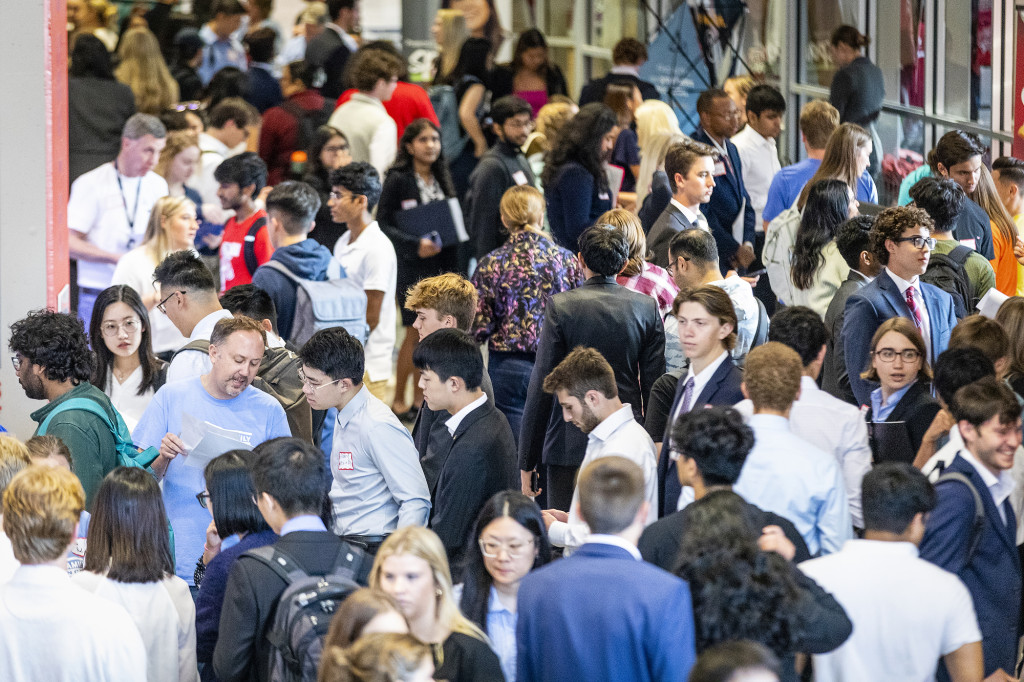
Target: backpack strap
column 279, row 562
column 960, row 254
column 201, row 345
column 249, row 245
column 283, row 269
column 979, row 508
column 84, row 404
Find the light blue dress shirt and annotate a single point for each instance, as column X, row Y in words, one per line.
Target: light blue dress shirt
column 501, row 628
column 789, row 476
column 303, row 522
column 880, row 412
column 218, row 53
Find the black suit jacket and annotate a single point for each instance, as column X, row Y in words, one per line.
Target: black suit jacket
column 670, row 223
column 834, row 377
column 494, row 174
column 250, row 601
column 478, row 462
column 722, row 389
column 726, row 201
column 595, row 89
column 656, row 200
column 330, row 53
column 916, row 409
column 625, row 327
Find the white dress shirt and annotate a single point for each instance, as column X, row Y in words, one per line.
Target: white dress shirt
column 834, row 426
column 926, row 328
column 692, row 216
column 759, row 157
column 615, row 541
column 906, row 612
column 999, row 486
column 619, row 434
column 136, row 270
column 787, row 475
column 194, row 363
column 453, row 422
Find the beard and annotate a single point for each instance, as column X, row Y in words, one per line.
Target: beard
column 588, row 421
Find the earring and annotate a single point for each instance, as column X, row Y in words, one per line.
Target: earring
column 439, row 592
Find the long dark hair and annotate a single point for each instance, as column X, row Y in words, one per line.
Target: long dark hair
column 472, row 62
column 476, row 581
column 580, row 141
column 104, row 358
column 231, row 493
column 404, row 161
column 321, row 137
column 739, row 591
column 89, row 58
column 828, row 207
column 529, row 39
column 129, row 539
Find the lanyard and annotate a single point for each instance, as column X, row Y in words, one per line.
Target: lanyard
column 124, row 202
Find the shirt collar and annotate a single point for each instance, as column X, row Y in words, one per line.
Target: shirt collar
column 346, row 413
column 857, row 274
column 457, row 418
column 705, row 374
column 205, row 326
column 625, row 70
column 615, row 541
column 999, row 486
column 772, row 422
column 757, row 137
column 494, row 604
column 893, row 399
column 303, row 522
column 808, row 387
column 690, row 215
column 611, row 423
column 880, row 547
column 902, row 283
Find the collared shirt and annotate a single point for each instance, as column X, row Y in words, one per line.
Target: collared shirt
column 759, row 157
column 211, row 153
column 615, row 541
column 218, row 53
column 378, row 483
column 501, row 630
column 453, row 422
column 880, row 411
column 653, row 281
column 349, row 41
column 907, row 613
column 701, row 380
column 693, row 217
column 999, row 486
column 834, row 426
column 194, row 363
column 625, row 70
column 921, row 307
column 787, row 475
column 303, row 522
column 619, row 434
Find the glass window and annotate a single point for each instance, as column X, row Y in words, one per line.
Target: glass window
column 818, row 19
column 967, row 79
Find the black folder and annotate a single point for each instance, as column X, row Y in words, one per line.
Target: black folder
column 443, row 217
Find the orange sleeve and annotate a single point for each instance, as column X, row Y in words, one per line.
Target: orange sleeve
column 1004, row 264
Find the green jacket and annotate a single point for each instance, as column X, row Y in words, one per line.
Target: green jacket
column 93, row 451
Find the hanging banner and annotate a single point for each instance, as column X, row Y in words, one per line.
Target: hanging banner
column 720, row 26
column 417, row 43
column 1018, row 87
column 676, row 66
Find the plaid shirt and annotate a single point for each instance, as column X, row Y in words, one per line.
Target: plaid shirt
column 656, row 283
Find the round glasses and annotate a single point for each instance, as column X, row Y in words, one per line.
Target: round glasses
column 491, row 549
column 130, row 326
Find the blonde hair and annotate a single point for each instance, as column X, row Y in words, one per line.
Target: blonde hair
column 772, row 374
column 452, row 35
column 522, row 206
column 155, row 241
column 379, row 657
column 423, row 543
column 629, row 226
column 986, row 196
column 818, row 120
column 743, row 84
column 143, row 69
column 40, row 508
column 652, row 157
column 652, row 117
column 105, row 12
column 550, row 120
column 14, row 456
column 449, row 294
column 177, row 142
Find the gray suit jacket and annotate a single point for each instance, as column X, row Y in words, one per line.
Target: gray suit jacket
column 669, row 223
column 834, row 377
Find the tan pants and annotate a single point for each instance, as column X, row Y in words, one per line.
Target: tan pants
column 379, row 389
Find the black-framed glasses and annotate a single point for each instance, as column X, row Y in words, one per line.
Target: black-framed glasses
column 889, row 354
column 918, row 241
column 204, row 499
column 161, row 304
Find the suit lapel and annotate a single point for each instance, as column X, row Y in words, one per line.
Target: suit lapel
column 891, row 293
column 1006, row 532
column 931, row 304
column 711, row 388
column 909, row 400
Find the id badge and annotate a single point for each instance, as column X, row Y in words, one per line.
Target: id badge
column 719, row 168
column 520, row 177
column 408, row 203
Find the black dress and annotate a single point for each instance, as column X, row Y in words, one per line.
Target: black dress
column 466, row 659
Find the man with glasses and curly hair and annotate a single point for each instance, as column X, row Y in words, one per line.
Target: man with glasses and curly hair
column 901, row 241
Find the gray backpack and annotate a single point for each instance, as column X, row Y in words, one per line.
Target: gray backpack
column 325, row 304
column 777, row 255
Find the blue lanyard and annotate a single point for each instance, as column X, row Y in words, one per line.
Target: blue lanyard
column 124, row 202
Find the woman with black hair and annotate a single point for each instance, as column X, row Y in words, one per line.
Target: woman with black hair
column 130, row 563
column 743, row 592
column 418, row 176
column 574, row 179
column 121, row 337
column 229, row 496
column 510, row 541
column 530, row 75
column 98, row 107
column 857, row 88
column 818, row 269
column 328, row 152
column 470, row 79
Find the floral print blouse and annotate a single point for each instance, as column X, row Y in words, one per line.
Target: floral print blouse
column 514, row 283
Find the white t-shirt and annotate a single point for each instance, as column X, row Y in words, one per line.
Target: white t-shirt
column 100, row 209
column 372, row 264
column 136, row 270
column 906, row 612
column 125, row 399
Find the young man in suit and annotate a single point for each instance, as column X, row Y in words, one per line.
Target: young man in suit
column 479, row 457
column 985, row 557
column 288, row 475
column 690, row 167
column 331, row 49
column 729, row 213
column 569, row 628
column 707, row 333
column 623, row 326
column 901, row 241
column 628, row 55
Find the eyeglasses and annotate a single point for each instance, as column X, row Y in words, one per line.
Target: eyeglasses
column 314, row 387
column 491, row 549
column 338, row 196
column 889, row 354
column 16, row 360
column 204, row 499
column 336, row 148
column 130, row 326
column 918, row 241
column 161, row 304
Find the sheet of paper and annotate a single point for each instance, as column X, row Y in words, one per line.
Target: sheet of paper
column 205, row 441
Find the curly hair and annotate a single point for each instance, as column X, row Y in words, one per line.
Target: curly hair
column 55, row 341
column 892, row 223
column 581, row 142
column 739, row 591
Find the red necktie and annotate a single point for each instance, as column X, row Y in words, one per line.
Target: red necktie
column 914, row 310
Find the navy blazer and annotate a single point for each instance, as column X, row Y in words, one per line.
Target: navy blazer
column 726, row 200
column 876, row 302
column 575, row 202
column 569, row 629
column 722, row 389
column 993, row 575
column 671, row 222
column 656, row 200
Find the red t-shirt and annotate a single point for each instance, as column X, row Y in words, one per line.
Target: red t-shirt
column 232, row 253
column 409, row 103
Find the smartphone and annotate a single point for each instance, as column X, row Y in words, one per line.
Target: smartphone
column 757, row 273
column 435, row 237
column 534, row 481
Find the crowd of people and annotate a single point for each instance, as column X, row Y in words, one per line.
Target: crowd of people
column 734, row 420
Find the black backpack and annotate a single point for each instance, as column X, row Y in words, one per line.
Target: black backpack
column 308, row 121
column 948, row 272
column 304, row 610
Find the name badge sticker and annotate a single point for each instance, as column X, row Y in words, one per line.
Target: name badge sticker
column 520, row 177
column 346, row 461
column 970, row 243
column 603, row 196
column 408, row 203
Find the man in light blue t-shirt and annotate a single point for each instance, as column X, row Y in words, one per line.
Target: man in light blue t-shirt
column 223, row 398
